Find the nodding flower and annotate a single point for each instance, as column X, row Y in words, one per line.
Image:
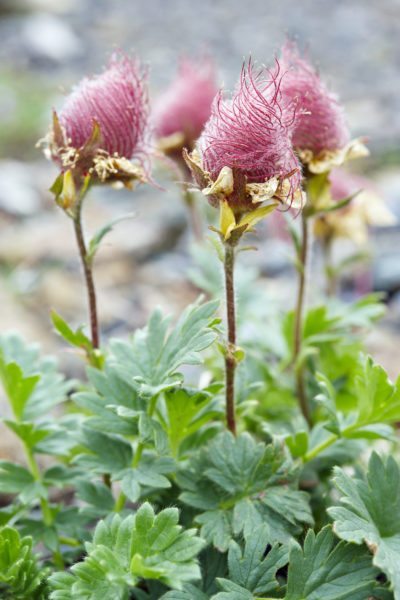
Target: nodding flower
column 244, row 156
column 181, row 112
column 321, row 134
column 103, row 124
column 321, row 123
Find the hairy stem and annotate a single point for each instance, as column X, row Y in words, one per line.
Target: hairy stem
column 193, row 215
column 298, row 319
column 88, row 275
column 230, row 360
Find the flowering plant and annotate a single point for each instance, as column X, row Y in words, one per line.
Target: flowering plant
column 248, row 478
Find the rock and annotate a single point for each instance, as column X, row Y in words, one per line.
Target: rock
column 48, row 37
column 18, row 194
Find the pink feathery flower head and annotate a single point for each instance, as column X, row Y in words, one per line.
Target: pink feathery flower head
column 102, row 127
column 117, row 101
column 186, row 104
column 251, row 131
column 320, row 124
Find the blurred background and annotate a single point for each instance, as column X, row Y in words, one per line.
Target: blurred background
column 49, row 45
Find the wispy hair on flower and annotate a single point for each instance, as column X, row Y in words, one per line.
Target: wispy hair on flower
column 245, row 155
column 321, row 135
column 181, row 112
column 103, row 125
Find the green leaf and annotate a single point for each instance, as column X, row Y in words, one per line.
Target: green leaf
column 20, row 576
column 96, row 494
column 147, row 477
column 103, row 404
column 31, row 383
column 378, row 400
column 153, row 356
column 17, row 387
column 15, row 479
column 104, row 453
column 75, row 338
column 329, row 570
column 252, row 569
column 96, row 240
column 190, row 592
column 29, row 433
column 186, row 412
column 237, row 484
column 370, row 513
column 125, row 551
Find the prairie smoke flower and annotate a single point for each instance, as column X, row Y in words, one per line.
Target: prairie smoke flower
column 366, row 209
column 245, row 156
column 320, row 135
column 182, row 110
column 103, row 125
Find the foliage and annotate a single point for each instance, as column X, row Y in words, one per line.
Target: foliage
column 129, row 487
column 125, row 551
column 370, row 513
column 237, row 484
column 20, row 576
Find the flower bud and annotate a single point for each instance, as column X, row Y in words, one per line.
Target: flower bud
column 320, row 134
column 182, row 110
column 103, row 124
column 245, row 156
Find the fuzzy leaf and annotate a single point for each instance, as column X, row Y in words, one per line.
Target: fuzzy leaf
column 186, row 412
column 153, row 356
column 378, row 400
column 104, row 453
column 110, row 393
column 370, row 513
column 325, row 569
column 237, row 484
column 251, row 568
column 98, row 237
column 20, row 576
column 31, row 383
column 125, row 551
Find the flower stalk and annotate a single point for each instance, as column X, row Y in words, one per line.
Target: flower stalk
column 230, row 359
column 88, row 275
column 303, row 267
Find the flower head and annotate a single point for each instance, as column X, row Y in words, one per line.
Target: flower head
column 321, row 123
column 103, row 124
column 367, row 208
column 321, row 135
column 244, row 156
column 251, row 131
column 183, row 109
